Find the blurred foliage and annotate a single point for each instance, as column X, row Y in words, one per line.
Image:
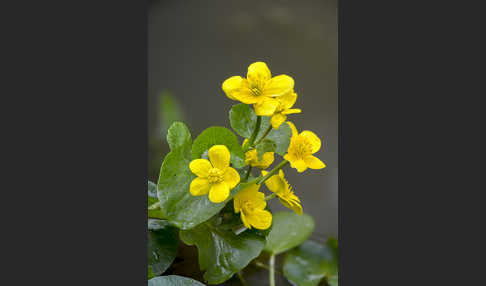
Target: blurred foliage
column 167, row 112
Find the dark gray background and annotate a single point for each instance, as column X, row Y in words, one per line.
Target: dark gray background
column 195, row 45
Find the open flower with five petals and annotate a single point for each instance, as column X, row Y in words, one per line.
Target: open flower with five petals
column 284, row 108
column 214, row 176
column 250, row 203
column 279, row 185
column 302, row 146
column 259, row 88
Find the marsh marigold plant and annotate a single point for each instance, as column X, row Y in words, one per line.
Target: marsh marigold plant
column 212, row 189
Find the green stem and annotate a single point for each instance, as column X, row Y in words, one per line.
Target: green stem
column 272, row 172
column 247, row 174
column 261, row 265
column 272, row 270
column 269, row 197
column 264, row 134
column 241, row 278
column 254, row 135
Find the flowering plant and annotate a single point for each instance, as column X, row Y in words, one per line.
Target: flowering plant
column 208, row 194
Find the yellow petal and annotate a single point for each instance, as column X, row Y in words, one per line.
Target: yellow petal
column 231, row 177
column 219, row 192
column 299, row 164
column 250, row 193
column 267, row 160
column 258, row 73
column 278, row 86
column 244, row 94
column 267, row 107
column 220, row 156
column 277, row 120
column 199, row 187
column 314, row 163
column 291, row 111
column 287, row 100
column 231, row 86
column 293, row 128
column 296, row 207
column 313, row 140
column 260, row 219
column 274, row 183
column 251, row 157
column 245, row 221
column 200, row 167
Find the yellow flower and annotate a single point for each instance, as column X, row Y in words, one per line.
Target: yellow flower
column 251, row 157
column 215, row 176
column 301, row 148
column 281, row 187
column 259, row 88
column 284, row 108
column 251, row 203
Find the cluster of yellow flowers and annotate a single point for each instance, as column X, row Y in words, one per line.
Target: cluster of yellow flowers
column 270, row 96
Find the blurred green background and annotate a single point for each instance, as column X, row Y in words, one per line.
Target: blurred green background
column 195, row 45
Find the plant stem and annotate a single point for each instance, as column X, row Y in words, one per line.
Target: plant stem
column 247, row 175
column 272, row 270
column 264, row 134
column 273, row 172
column 269, row 197
column 254, row 135
column 241, row 278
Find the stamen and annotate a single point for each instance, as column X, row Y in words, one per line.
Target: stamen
column 215, row 176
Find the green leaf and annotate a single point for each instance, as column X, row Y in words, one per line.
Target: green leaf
column 219, row 136
column 152, row 199
column 173, row 280
column 162, row 246
column 309, row 263
column 265, row 146
column 288, row 230
column 332, row 281
column 150, row 274
column 222, row 253
column 281, row 137
column 177, row 204
column 242, row 119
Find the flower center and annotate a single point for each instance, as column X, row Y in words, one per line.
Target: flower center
column 256, row 91
column 248, row 207
column 256, row 87
column 303, row 147
column 215, row 176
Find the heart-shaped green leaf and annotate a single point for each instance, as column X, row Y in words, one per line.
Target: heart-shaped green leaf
column 222, row 253
column 161, row 247
column 309, row 263
column 288, row 230
column 217, row 135
column 173, row 280
column 242, row 119
column 177, row 204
